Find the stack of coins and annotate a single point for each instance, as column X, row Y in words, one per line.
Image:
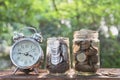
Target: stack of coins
column 57, row 55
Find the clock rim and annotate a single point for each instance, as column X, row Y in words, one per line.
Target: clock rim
column 33, row 41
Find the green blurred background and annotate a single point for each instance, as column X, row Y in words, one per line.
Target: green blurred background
column 62, row 18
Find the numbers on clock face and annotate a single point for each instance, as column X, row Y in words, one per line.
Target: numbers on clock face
column 25, row 53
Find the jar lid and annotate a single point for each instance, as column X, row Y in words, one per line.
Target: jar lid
column 85, row 34
column 51, row 39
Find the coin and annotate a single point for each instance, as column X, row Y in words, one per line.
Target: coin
column 76, row 48
column 85, row 45
column 64, row 49
column 91, row 51
column 81, row 57
column 94, row 59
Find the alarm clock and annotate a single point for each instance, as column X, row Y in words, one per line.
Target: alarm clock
column 26, row 53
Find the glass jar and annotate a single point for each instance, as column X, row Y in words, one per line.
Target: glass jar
column 57, row 55
column 86, row 52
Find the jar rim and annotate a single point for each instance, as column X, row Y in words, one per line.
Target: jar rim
column 85, row 34
column 58, row 38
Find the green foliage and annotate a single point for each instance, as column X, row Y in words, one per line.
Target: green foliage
column 62, row 18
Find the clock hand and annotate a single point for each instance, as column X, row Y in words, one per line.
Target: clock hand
column 31, row 56
column 27, row 54
column 20, row 53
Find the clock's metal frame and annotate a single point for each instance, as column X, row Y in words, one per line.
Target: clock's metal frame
column 35, row 65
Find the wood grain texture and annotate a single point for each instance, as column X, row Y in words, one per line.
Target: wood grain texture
column 102, row 74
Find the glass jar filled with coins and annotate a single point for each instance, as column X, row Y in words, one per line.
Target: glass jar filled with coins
column 57, row 55
column 86, row 52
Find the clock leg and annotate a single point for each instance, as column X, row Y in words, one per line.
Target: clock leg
column 15, row 70
column 36, row 70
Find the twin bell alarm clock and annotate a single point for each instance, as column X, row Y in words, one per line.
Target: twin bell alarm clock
column 26, row 53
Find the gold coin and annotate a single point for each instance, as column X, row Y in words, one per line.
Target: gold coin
column 81, row 57
column 76, row 48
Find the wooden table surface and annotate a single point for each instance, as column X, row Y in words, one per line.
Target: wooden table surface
column 102, row 74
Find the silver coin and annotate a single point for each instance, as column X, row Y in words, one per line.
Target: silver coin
column 81, row 57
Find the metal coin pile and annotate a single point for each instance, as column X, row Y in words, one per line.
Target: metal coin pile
column 63, row 65
column 86, row 56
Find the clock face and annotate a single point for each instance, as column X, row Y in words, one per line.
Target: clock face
column 25, row 53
